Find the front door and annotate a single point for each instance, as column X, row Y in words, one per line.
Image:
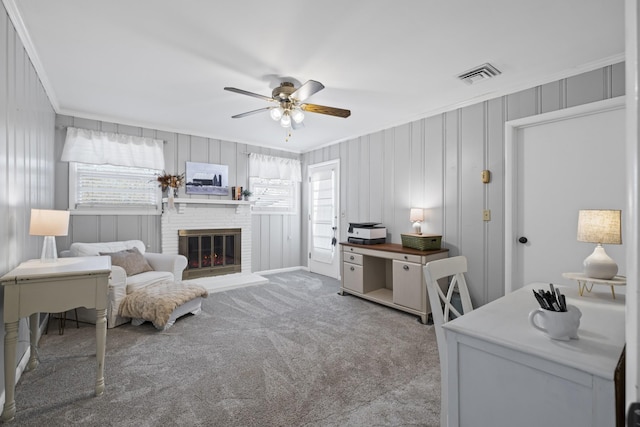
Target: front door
column 323, row 218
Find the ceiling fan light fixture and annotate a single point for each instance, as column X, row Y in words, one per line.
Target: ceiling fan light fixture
column 297, row 115
column 276, row 113
column 285, row 121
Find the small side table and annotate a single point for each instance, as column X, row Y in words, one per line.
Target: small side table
column 34, row 287
column 586, row 283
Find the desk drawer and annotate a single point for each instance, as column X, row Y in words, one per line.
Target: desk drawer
column 352, row 277
column 408, row 288
column 353, row 258
column 408, row 258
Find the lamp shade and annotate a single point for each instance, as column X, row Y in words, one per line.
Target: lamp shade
column 46, row 222
column 417, row 214
column 600, row 226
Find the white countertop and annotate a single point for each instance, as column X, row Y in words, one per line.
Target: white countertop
column 505, row 322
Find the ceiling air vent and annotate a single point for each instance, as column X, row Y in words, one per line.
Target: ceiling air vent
column 483, row 72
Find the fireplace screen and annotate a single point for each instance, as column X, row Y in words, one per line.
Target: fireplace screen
column 210, row 252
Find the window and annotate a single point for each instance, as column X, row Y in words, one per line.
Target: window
column 273, row 182
column 113, row 189
column 273, row 195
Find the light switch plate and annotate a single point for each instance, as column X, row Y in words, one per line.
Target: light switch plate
column 486, row 215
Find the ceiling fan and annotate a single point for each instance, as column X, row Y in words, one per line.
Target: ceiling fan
column 289, row 103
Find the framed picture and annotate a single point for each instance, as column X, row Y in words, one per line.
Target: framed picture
column 207, row 178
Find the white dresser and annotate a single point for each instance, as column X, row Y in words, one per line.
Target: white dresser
column 502, row 372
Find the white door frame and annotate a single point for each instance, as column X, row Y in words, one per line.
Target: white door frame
column 511, row 173
column 632, row 53
column 336, row 163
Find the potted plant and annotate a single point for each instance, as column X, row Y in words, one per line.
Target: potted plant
column 246, row 194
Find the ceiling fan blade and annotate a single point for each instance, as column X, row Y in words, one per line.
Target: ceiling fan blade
column 244, row 92
column 248, row 113
column 321, row 109
column 307, row 89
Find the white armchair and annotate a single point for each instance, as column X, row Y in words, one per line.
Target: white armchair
column 165, row 268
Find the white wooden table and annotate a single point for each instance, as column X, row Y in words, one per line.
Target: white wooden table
column 586, row 283
column 503, row 372
column 35, row 287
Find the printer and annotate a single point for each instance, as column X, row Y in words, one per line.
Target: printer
column 366, row 233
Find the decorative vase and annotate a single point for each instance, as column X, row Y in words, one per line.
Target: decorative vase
column 171, row 193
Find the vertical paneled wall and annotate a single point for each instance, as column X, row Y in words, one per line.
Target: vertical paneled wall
column 275, row 238
column 26, row 158
column 436, row 163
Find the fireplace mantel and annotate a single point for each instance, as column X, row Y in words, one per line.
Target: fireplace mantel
column 181, row 202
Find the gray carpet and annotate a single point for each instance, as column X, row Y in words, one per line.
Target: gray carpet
column 288, row 353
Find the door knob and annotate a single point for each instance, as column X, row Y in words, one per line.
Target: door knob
column 523, row 240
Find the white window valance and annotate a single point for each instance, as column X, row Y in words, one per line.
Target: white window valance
column 272, row 167
column 100, row 148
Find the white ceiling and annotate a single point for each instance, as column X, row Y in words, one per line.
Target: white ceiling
column 163, row 64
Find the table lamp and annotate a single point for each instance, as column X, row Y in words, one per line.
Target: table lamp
column 417, row 216
column 600, row 227
column 49, row 223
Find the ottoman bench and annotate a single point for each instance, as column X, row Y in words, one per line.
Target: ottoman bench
column 162, row 303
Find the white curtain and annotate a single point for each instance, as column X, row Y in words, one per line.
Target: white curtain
column 99, row 148
column 274, row 167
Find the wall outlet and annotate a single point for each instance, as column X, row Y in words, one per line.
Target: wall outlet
column 486, row 215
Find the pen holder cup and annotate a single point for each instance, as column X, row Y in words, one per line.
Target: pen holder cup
column 557, row 325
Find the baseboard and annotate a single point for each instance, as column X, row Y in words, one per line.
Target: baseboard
column 282, row 270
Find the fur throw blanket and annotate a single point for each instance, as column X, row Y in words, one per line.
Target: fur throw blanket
column 156, row 302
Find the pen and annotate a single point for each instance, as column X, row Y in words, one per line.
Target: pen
column 552, row 300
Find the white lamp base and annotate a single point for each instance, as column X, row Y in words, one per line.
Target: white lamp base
column 417, row 227
column 49, row 251
column 599, row 265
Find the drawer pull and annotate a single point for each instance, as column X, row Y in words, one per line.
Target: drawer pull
column 406, row 267
column 406, row 257
column 352, row 257
column 352, row 268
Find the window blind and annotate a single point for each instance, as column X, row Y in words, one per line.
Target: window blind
column 272, row 195
column 108, row 186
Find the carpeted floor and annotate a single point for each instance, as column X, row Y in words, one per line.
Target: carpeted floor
column 288, row 353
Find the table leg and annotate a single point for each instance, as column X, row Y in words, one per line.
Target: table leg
column 10, row 341
column 34, row 320
column 101, row 340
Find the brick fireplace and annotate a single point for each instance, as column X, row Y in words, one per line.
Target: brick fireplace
column 209, row 214
column 210, row 252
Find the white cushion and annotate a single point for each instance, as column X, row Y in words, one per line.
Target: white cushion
column 141, row 280
column 94, row 249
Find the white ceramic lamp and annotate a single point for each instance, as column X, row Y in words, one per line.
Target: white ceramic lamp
column 600, row 227
column 49, row 223
column 416, row 217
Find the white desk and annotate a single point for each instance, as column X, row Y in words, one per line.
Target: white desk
column 503, row 372
column 389, row 274
column 35, row 287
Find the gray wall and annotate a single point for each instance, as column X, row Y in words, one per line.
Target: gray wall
column 436, row 163
column 271, row 246
column 26, row 159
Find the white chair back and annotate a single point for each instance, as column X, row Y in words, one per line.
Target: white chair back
column 442, row 309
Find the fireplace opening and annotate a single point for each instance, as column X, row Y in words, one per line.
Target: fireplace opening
column 210, row 252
